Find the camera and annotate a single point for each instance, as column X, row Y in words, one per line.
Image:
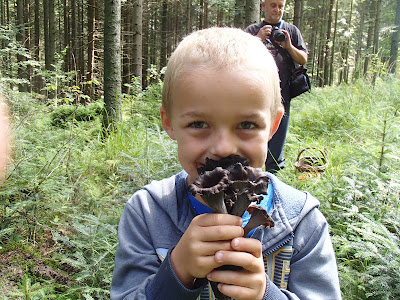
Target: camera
column 277, row 35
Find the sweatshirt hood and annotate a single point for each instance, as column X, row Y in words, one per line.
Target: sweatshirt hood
column 289, row 207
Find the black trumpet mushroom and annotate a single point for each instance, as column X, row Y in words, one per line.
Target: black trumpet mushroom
column 259, row 216
column 231, row 185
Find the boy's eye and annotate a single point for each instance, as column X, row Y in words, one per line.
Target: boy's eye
column 198, row 124
column 247, row 125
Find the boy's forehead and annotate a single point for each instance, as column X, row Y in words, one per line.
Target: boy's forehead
column 215, row 84
column 256, row 78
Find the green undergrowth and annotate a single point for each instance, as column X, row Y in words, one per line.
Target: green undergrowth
column 67, row 185
column 356, row 128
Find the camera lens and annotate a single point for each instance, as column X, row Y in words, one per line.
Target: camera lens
column 278, row 35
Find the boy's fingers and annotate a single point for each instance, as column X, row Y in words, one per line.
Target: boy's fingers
column 251, row 246
column 206, row 220
column 239, row 284
column 220, row 233
column 234, row 291
column 242, row 259
column 217, row 227
column 211, row 248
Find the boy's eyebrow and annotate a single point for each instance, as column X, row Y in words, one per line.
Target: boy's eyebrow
column 196, row 114
column 191, row 114
column 252, row 115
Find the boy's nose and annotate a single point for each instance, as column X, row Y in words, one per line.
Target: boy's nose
column 223, row 144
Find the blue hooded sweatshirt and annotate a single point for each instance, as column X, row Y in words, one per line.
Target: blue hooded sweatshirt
column 298, row 254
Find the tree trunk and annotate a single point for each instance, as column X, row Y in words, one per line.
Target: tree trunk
column 7, row 12
column 331, row 75
column 240, row 15
column 126, row 39
column 394, row 46
column 346, row 55
column 73, row 35
column 154, row 44
column 22, row 87
column 67, row 36
column 52, row 32
column 28, row 40
column 205, row 13
column 90, row 47
column 312, row 47
column 370, row 37
column 298, row 13
column 252, row 12
column 37, row 79
column 200, row 20
column 81, row 49
column 164, row 28
column 321, row 44
column 46, row 34
column 112, row 64
column 377, row 17
column 220, row 17
column 327, row 64
column 145, row 46
column 137, row 21
column 2, row 13
column 360, row 35
column 188, row 16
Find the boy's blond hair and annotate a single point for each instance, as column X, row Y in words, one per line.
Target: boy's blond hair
column 223, row 49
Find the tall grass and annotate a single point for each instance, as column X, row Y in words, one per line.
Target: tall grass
column 67, row 186
column 359, row 126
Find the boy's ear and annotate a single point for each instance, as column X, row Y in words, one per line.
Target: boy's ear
column 276, row 122
column 166, row 123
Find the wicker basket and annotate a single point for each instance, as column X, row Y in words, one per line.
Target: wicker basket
column 317, row 162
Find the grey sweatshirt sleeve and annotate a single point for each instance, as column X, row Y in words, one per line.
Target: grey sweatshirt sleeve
column 313, row 269
column 138, row 272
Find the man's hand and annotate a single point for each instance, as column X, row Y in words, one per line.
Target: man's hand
column 298, row 56
column 287, row 43
column 264, row 33
column 193, row 256
column 247, row 284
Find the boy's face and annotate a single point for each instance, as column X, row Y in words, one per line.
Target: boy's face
column 216, row 114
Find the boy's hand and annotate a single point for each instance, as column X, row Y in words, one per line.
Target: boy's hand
column 193, row 256
column 249, row 283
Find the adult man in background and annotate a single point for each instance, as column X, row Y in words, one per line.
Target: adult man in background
column 287, row 50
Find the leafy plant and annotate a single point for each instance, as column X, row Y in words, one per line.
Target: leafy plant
column 29, row 291
column 92, row 255
column 62, row 115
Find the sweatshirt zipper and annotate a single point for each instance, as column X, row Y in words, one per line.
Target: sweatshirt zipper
column 280, row 244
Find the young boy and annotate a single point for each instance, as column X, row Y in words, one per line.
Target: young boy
column 221, row 96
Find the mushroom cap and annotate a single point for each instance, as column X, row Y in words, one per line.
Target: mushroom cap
column 259, row 216
column 210, row 183
column 231, row 180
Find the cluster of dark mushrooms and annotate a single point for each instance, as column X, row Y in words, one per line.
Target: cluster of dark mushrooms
column 231, row 186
